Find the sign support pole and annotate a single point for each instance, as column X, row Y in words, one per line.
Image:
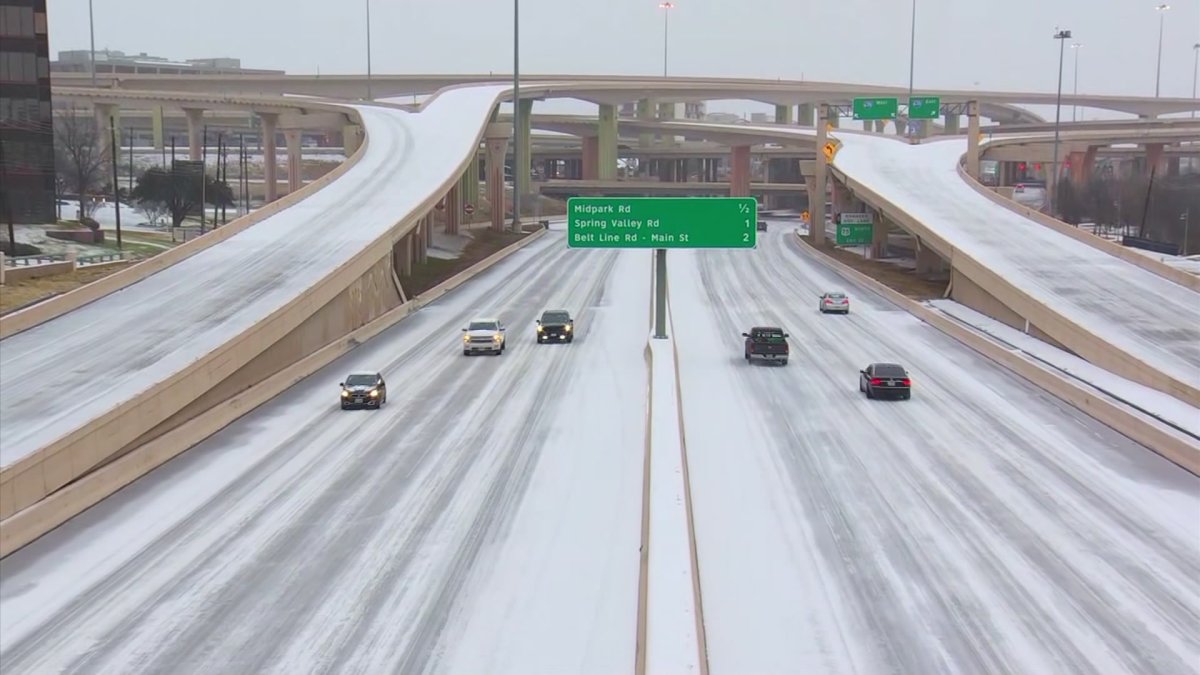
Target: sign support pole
column 660, row 294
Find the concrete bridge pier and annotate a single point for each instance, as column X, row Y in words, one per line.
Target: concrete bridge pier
column 590, row 163
column 739, row 171
column 646, row 112
column 496, row 136
column 606, row 135
column 928, row 260
column 195, row 127
column 816, row 186
column 352, row 135
column 879, row 236
column 295, row 160
column 521, row 139
column 973, row 139
column 805, row 112
column 270, row 122
column 783, row 114
column 950, row 123
column 454, row 207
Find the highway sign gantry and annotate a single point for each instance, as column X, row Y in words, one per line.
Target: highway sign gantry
column 875, row 108
column 662, row 222
column 924, row 108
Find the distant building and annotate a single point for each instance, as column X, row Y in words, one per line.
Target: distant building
column 111, row 61
column 26, row 119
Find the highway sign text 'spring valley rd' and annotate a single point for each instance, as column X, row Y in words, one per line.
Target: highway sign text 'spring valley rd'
column 662, row 222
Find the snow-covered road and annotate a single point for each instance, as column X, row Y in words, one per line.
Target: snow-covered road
column 487, row 519
column 93, row 359
column 982, row 527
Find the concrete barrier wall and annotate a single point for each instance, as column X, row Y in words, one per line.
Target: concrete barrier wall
column 21, row 273
column 1064, row 331
column 1147, row 263
column 43, row 516
column 59, row 305
column 1127, row 422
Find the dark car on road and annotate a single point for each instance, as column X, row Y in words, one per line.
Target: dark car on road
column 879, row 380
column 762, row 226
column 556, row 325
column 767, row 343
column 363, row 390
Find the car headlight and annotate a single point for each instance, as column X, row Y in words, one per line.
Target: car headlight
column 466, row 338
column 345, row 394
column 496, row 337
column 374, row 393
column 568, row 328
column 541, row 328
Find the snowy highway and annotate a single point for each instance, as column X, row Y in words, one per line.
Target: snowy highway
column 487, row 519
column 982, row 527
column 107, row 352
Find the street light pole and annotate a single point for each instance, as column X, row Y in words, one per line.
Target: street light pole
column 1158, row 70
column 1195, row 69
column 1051, row 197
column 369, row 50
column 517, row 138
column 666, row 7
column 912, row 60
column 1075, row 85
column 92, row 32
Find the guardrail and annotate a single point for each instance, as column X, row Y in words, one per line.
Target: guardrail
column 100, row 259
column 34, row 260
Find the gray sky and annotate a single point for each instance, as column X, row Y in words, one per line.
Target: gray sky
column 992, row 44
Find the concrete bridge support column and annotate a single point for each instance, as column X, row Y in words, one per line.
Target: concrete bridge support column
column 591, row 157
column 880, row 126
column 879, row 237
column 1155, row 159
column 195, row 122
column 402, row 256
column 521, row 133
column 606, row 155
column 666, row 171
column 295, row 160
column 867, row 125
column 270, row 162
column 739, row 171
column 951, row 123
column 496, row 136
column 928, row 261
column 783, row 114
column 156, row 127
column 973, row 139
column 454, row 207
column 805, row 114
column 420, row 239
column 352, row 136
column 470, row 183
column 816, row 187
column 646, row 111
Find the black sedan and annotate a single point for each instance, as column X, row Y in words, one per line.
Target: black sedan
column 556, row 325
column 879, row 380
column 363, row 390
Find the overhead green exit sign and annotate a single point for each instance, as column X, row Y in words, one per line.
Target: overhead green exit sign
column 662, row 222
column 924, row 107
column 875, row 108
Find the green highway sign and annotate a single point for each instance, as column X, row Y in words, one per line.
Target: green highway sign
column 924, row 108
column 875, row 108
column 662, row 222
column 854, row 229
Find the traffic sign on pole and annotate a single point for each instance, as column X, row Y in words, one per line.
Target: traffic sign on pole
column 924, row 108
column 853, row 231
column 876, row 108
column 662, row 222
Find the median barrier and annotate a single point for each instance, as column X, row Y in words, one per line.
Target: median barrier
column 1121, row 419
column 1147, row 263
column 22, row 320
column 53, row 510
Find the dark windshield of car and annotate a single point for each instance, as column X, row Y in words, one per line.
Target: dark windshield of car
column 888, row 370
column 482, row 325
column 768, row 334
column 360, row 380
column 835, row 296
column 556, row 317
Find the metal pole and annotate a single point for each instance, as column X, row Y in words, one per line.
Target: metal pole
column 131, row 159
column 1075, row 84
column 203, row 179
column 92, row 32
column 1158, row 69
column 1052, row 184
column 1195, row 70
column 660, row 294
column 666, row 34
column 912, row 61
column 369, row 50
column 112, row 131
column 517, row 139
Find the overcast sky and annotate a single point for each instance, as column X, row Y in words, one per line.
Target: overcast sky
column 992, row 44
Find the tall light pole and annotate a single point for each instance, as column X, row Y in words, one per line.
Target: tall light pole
column 1075, row 85
column 92, row 32
column 666, row 7
column 1195, row 70
column 369, row 50
column 912, row 60
column 1052, row 185
column 517, row 138
column 1162, row 15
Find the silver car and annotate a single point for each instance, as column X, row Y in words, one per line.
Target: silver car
column 483, row 335
column 834, row 301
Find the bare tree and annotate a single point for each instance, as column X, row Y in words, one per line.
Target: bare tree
column 154, row 210
column 79, row 154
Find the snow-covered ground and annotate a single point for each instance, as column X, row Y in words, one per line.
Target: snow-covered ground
column 157, row 327
column 1156, row 403
column 980, row 527
column 487, row 519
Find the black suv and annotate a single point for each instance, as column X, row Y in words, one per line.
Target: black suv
column 556, row 325
column 363, row 390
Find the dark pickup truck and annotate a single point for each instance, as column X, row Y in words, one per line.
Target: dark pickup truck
column 767, row 343
column 556, row 325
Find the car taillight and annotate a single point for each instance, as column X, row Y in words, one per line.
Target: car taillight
column 829, row 302
column 906, row 382
column 875, row 381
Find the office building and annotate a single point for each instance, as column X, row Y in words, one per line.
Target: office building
column 26, row 120
column 110, row 61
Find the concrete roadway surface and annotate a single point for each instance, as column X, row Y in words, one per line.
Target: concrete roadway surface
column 487, row 519
column 981, row 527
